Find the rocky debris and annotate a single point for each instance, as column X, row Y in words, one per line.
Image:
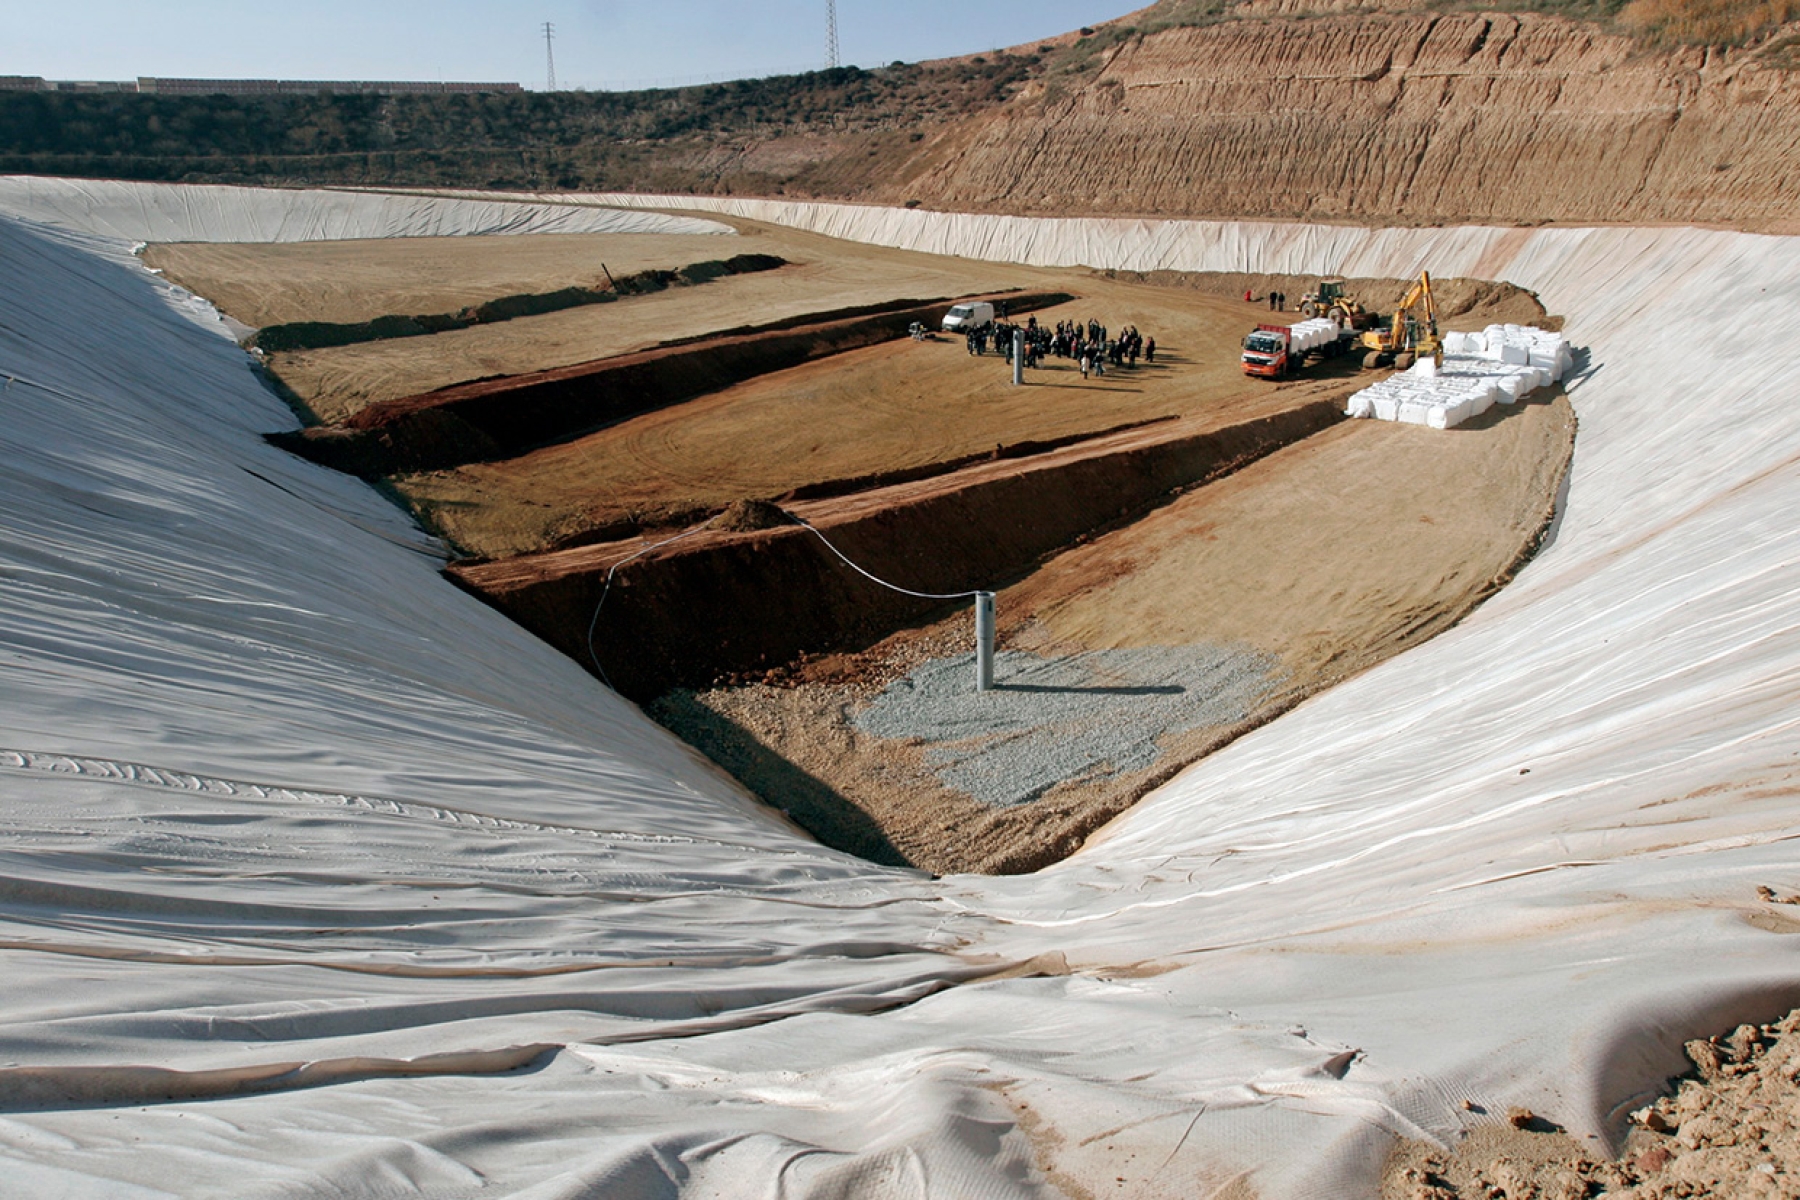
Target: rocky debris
column 1730, row 1130
column 747, row 516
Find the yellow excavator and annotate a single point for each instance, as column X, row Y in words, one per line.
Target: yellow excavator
column 1412, row 334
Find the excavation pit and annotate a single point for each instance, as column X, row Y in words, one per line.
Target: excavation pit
column 1180, row 553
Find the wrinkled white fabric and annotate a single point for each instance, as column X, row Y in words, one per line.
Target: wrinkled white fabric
column 317, row 876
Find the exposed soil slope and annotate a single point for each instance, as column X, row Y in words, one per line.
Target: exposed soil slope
column 1389, row 117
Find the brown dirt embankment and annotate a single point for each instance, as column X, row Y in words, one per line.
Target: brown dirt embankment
column 719, row 604
column 1389, row 117
column 499, row 418
column 1396, row 117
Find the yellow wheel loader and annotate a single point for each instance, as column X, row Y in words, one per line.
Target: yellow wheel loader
column 1330, row 301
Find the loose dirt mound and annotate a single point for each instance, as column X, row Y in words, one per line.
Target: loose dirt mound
column 1731, row 1131
column 748, row 516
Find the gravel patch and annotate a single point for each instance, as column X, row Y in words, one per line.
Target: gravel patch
column 1073, row 719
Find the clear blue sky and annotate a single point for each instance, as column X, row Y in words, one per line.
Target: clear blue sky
column 599, row 43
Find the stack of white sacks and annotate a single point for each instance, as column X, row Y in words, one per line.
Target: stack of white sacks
column 1496, row 366
column 1311, row 333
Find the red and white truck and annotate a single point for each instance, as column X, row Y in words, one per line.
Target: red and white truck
column 1279, row 351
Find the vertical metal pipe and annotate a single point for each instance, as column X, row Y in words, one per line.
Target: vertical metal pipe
column 984, row 641
column 1018, row 356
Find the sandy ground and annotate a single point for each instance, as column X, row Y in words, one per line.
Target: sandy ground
column 350, row 281
column 823, row 275
column 1730, row 1130
column 894, row 406
column 1281, row 558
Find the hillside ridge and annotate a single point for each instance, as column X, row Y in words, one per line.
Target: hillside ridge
column 1399, row 115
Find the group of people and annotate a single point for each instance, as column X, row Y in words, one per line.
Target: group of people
column 1277, row 300
column 1089, row 345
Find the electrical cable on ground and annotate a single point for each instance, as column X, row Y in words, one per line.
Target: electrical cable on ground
column 707, row 524
column 893, row 587
column 613, row 570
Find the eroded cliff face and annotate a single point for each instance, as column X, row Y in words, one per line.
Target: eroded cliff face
column 1388, row 117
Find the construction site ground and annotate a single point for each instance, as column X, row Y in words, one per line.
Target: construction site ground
column 1320, row 561
column 1300, row 569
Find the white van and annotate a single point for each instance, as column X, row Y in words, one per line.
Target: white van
column 964, row 317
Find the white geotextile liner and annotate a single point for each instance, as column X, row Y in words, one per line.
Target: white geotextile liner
column 1503, row 363
column 276, row 793
column 181, row 212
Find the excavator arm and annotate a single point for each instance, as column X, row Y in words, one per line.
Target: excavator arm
column 1420, row 292
column 1419, row 300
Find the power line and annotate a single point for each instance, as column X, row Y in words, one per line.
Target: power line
column 670, row 81
column 831, row 41
column 549, row 58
